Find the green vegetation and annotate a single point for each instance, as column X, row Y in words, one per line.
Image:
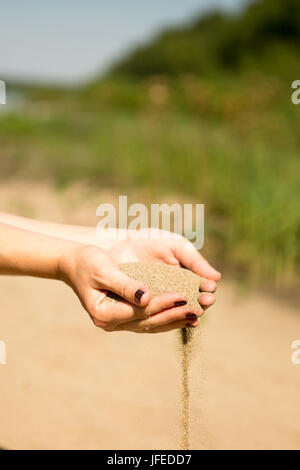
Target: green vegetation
column 203, row 112
column 267, row 31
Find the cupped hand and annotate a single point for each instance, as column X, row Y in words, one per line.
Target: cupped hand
column 177, row 251
column 91, row 272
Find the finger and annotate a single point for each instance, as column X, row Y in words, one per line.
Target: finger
column 206, row 300
column 117, row 313
column 190, row 258
column 91, row 299
column 129, row 289
column 107, row 313
column 172, row 315
column 173, row 326
column 208, row 286
column 165, row 301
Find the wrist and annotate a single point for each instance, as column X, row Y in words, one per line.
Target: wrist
column 69, row 259
column 66, row 260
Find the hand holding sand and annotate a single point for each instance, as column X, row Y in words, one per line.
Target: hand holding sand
column 93, row 274
column 172, row 251
column 161, row 280
column 169, row 308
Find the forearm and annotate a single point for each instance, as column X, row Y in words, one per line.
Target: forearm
column 27, row 253
column 77, row 233
column 46, row 228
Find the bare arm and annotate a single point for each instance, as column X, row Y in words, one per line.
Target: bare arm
column 27, row 253
column 77, row 233
column 91, row 272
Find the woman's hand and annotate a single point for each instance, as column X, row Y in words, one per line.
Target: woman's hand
column 177, row 251
column 29, row 247
column 91, row 272
column 135, row 246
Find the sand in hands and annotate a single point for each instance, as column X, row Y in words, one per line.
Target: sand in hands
column 161, row 278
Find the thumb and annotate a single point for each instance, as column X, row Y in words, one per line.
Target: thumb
column 129, row 289
column 91, row 299
column 190, row 258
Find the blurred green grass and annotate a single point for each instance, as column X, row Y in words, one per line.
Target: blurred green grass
column 241, row 161
column 203, row 112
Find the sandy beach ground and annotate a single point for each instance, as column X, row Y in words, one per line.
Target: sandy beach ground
column 69, row 385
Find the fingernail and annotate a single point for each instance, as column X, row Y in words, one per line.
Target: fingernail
column 179, row 303
column 138, row 295
column 191, row 316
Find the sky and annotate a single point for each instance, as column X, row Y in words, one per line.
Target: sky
column 68, row 41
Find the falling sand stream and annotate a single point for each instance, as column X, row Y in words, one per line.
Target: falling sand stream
column 186, row 343
column 161, row 278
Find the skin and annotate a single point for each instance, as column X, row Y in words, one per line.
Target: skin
column 88, row 263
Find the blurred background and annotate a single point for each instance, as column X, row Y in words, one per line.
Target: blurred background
column 162, row 101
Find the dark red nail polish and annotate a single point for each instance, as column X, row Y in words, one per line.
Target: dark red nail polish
column 191, row 316
column 138, row 295
column 179, row 303
column 207, row 291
